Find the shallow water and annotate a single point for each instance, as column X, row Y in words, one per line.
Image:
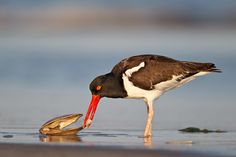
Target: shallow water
column 220, row 143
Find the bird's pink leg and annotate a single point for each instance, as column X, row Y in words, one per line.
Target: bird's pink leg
column 150, row 112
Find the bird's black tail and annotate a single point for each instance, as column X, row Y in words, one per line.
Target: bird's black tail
column 210, row 67
column 196, row 67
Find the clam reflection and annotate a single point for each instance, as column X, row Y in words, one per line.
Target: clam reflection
column 60, row 139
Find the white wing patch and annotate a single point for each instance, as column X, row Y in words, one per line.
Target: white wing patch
column 129, row 72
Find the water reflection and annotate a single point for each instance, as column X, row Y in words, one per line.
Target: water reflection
column 147, row 141
column 60, row 139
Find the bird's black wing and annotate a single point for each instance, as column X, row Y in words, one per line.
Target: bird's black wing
column 158, row 69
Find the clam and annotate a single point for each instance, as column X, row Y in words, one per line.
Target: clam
column 58, row 125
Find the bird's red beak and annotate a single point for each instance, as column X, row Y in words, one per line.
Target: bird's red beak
column 92, row 107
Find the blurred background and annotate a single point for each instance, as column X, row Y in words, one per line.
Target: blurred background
column 50, row 50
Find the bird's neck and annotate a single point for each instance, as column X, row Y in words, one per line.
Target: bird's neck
column 116, row 87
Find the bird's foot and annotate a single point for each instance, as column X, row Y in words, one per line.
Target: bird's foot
column 147, row 134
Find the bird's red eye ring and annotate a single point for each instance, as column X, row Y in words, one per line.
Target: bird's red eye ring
column 98, row 88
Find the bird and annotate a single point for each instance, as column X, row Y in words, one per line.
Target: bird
column 146, row 77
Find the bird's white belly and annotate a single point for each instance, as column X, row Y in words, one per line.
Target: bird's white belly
column 173, row 83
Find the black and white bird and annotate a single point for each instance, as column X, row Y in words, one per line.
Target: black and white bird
column 144, row 77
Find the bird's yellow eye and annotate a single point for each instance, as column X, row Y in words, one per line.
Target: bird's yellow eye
column 98, row 88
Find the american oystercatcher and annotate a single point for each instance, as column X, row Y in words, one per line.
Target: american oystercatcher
column 146, row 77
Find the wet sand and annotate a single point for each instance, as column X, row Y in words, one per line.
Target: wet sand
column 116, row 143
column 36, row 150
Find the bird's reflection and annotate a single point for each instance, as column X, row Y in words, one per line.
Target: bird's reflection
column 148, row 142
column 59, row 139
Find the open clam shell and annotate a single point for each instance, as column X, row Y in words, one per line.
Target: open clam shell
column 57, row 126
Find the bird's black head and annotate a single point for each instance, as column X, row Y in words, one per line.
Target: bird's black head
column 108, row 85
